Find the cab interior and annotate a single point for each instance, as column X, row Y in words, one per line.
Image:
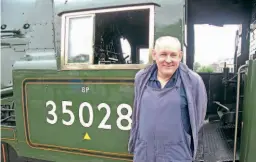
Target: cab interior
column 216, row 140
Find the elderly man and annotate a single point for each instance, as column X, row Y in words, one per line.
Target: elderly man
column 169, row 107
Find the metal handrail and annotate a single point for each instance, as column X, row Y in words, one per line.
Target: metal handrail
column 237, row 107
column 218, row 103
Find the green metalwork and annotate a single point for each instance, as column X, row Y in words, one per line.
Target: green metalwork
column 39, row 90
column 248, row 141
column 38, row 79
column 111, row 96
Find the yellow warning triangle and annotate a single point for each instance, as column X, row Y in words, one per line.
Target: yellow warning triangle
column 87, row 137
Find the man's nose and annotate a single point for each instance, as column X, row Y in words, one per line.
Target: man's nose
column 169, row 59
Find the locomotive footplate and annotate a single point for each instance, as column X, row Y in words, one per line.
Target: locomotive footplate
column 215, row 144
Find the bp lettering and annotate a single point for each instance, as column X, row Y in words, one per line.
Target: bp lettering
column 84, row 89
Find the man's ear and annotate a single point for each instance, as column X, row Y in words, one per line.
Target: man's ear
column 181, row 55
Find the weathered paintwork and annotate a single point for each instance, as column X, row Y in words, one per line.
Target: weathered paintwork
column 248, row 142
column 38, row 79
column 38, row 37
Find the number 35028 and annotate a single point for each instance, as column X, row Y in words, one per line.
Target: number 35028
column 102, row 125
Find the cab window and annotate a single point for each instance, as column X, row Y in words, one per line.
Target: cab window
column 98, row 38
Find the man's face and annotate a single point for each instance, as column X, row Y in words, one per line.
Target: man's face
column 167, row 60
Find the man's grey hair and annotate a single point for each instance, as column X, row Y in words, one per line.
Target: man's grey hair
column 167, row 42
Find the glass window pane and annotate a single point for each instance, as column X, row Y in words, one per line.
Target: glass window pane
column 144, row 56
column 80, row 43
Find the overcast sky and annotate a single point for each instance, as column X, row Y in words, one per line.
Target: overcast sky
column 213, row 43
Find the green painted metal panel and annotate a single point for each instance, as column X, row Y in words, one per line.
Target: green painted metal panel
column 104, row 99
column 114, row 141
column 42, row 65
column 61, row 156
column 8, row 133
column 248, row 141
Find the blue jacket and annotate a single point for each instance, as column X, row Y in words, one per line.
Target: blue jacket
column 196, row 96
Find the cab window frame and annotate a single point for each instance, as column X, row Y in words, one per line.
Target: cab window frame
column 65, row 18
